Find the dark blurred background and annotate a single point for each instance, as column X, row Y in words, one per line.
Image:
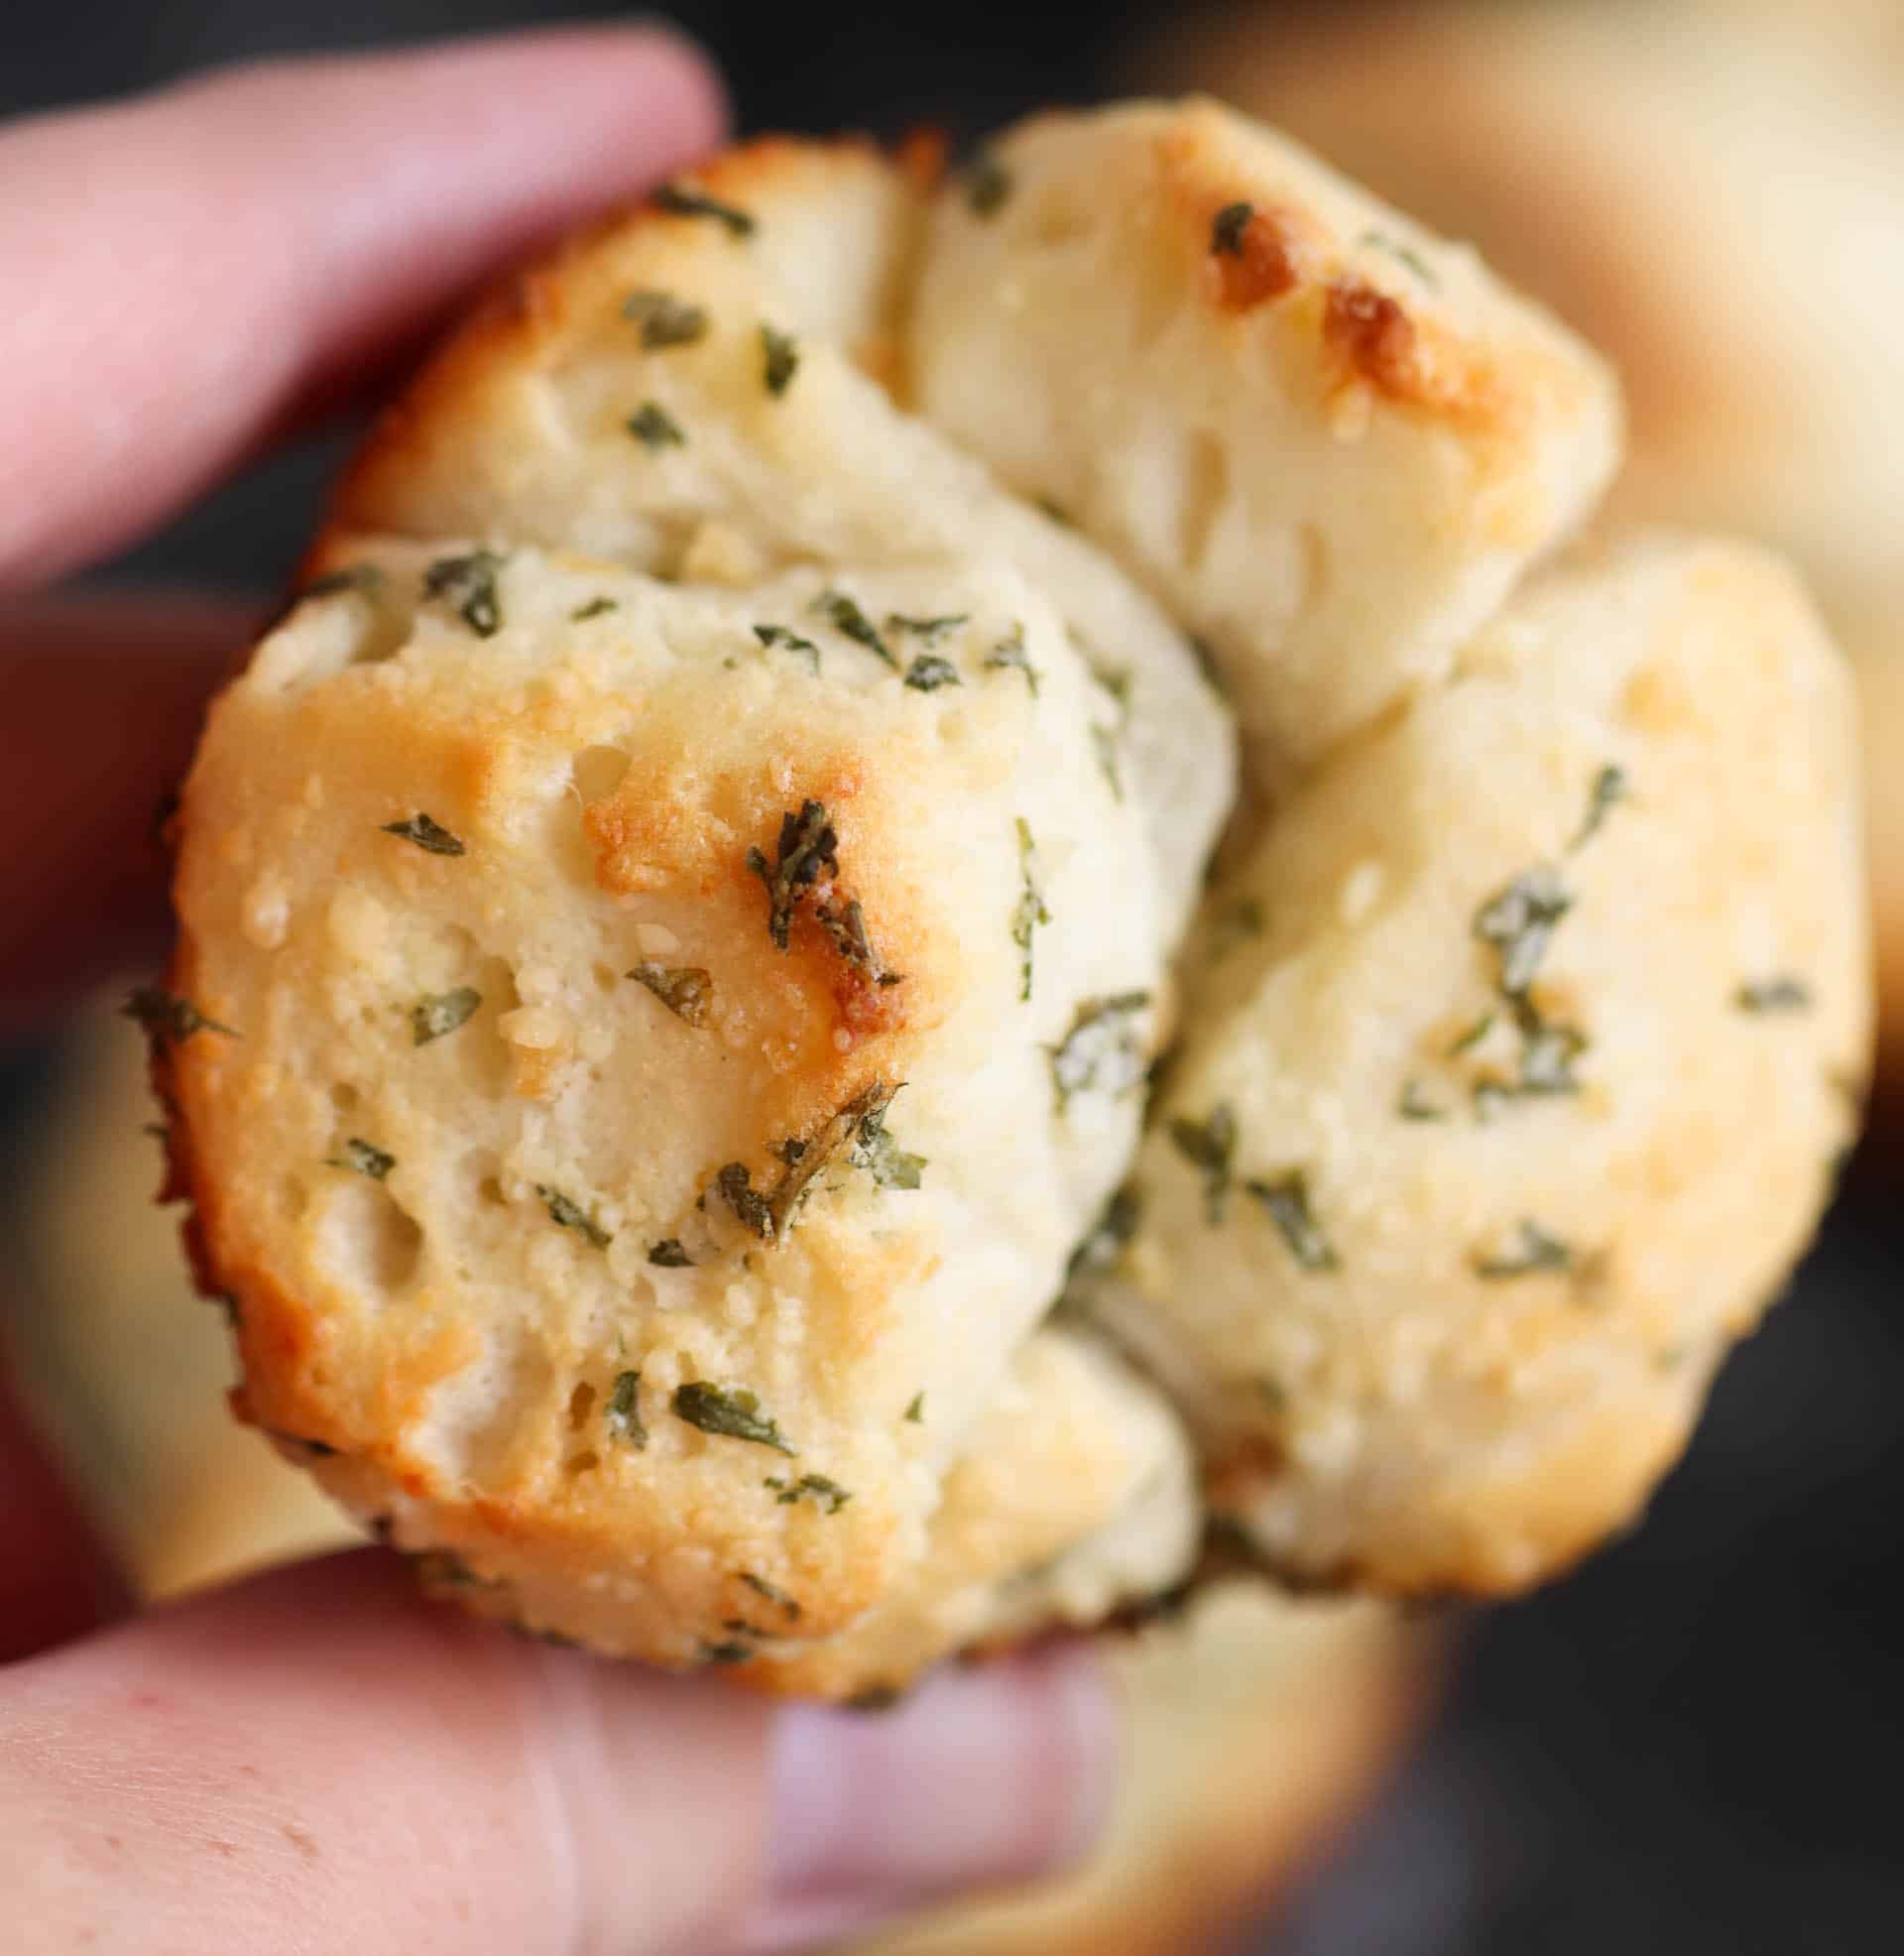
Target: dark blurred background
column 1687, row 1746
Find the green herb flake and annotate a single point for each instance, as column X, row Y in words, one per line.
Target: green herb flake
column 444, row 1568
column 1547, row 1056
column 844, row 923
column 1406, row 253
column 685, row 989
column 1467, row 1041
column 780, row 359
column 1113, row 1230
column 929, row 630
column 683, row 201
column 1236, row 924
column 1226, row 229
column 778, row 1597
column 731, row 1652
column 1519, row 922
column 427, row 833
column 1611, row 788
column 735, row 1184
column 598, row 607
column 655, row 427
column 1414, row 1105
column 817, row 1488
column 1102, row 1052
column 1210, row 1145
column 366, row 580
column 438, row 1013
column 1533, row 1252
column 665, row 321
column 729, row 1413
column 1032, row 910
column 1781, row 994
column 1287, row 1201
column 362, row 1159
column 566, row 1214
column 770, row 636
column 987, row 185
column 1056, row 511
column 166, row 1016
column 468, row 584
column 1105, row 741
column 808, row 845
column 623, row 1413
column 875, row 1150
column 1009, row 655
column 848, row 619
column 667, row 1254
column 1205, row 653
column 928, row 673
column 915, row 1413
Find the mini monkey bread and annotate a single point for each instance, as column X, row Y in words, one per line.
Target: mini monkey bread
column 942, row 875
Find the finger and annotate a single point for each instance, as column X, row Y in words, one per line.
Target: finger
column 56, row 1579
column 321, row 1761
column 184, row 268
column 105, row 696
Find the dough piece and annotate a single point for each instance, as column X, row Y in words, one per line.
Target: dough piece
column 1518, row 1060
column 1326, row 440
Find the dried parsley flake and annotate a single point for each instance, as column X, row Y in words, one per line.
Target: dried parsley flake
column 1287, row 1201
column 623, row 1413
column 166, row 1016
column 1781, row 994
column 1032, row 910
column 846, row 618
column 655, row 427
column 667, row 1254
column 468, row 584
column 1210, row 1145
column 361, row 1157
column 1009, row 655
column 568, row 1214
column 931, row 630
column 1228, row 226
column 778, row 1597
column 683, row 201
column 1113, row 1230
column 770, row 636
column 987, row 185
column 1611, row 788
column 729, row 1413
column 685, row 989
column 1102, row 1052
column 1533, row 1250
column 928, row 673
column 816, row 1488
column 598, row 607
column 427, row 833
column 438, row 1013
column 915, row 1413
column 808, row 845
column 1519, row 922
column 780, row 357
column 875, row 1151
column 665, row 321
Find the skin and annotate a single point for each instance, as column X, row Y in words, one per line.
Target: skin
column 317, row 1759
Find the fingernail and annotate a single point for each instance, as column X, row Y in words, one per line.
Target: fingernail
column 984, row 1777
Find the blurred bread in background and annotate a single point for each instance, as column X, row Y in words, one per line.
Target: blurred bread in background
column 1710, row 191
column 1258, row 1725
column 125, row 1365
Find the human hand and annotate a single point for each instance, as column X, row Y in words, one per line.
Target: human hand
column 320, row 1760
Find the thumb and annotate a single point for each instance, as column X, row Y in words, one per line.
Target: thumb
column 320, row 1759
